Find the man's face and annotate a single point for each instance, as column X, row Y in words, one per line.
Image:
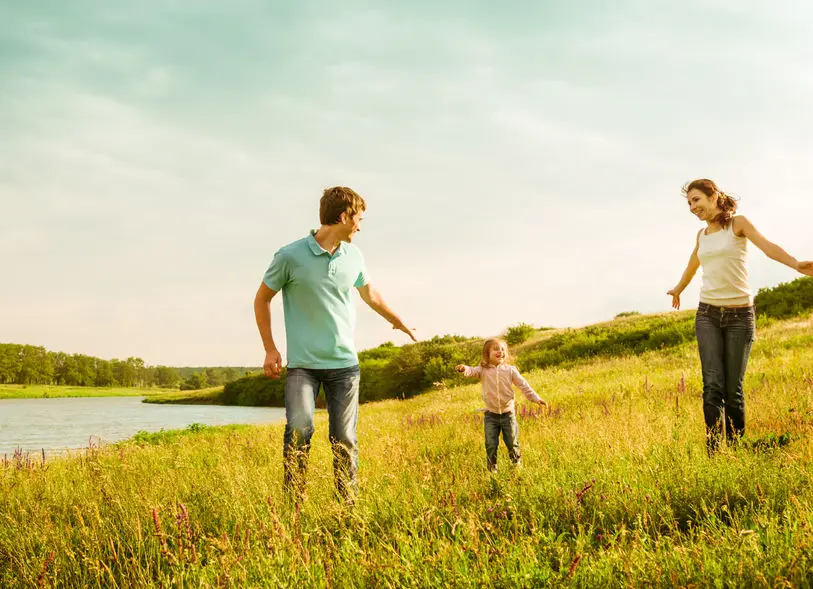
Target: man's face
column 352, row 224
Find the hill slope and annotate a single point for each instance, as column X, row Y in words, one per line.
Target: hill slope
column 615, row 490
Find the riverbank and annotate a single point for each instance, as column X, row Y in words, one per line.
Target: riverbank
column 209, row 396
column 52, row 427
column 37, row 391
column 616, row 490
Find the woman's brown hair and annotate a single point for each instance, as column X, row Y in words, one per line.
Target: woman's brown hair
column 725, row 202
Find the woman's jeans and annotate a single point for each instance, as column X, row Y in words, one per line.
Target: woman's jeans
column 505, row 423
column 341, row 387
column 724, row 339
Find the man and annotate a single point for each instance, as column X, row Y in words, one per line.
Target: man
column 316, row 275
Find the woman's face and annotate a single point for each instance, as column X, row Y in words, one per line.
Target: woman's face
column 702, row 206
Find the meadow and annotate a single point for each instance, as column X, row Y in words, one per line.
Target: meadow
column 616, row 490
column 42, row 391
column 205, row 396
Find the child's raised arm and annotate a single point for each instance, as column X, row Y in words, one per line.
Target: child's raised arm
column 469, row 370
column 526, row 389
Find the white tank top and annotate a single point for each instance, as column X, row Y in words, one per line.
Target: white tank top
column 725, row 278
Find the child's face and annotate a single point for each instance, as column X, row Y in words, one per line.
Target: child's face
column 497, row 354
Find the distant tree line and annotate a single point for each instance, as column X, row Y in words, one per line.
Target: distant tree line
column 27, row 365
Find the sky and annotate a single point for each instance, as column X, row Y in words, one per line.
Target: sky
column 520, row 162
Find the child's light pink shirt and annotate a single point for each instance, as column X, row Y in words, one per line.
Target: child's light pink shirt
column 497, row 392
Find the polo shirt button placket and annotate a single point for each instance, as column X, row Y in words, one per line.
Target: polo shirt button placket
column 331, row 265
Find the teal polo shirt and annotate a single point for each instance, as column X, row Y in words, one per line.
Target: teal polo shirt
column 317, row 299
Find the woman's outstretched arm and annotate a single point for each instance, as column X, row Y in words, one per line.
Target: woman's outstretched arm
column 744, row 228
column 688, row 274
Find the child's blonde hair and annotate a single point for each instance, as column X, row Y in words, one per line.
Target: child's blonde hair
column 490, row 343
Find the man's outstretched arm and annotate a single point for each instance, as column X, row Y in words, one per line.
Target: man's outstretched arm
column 262, row 314
column 374, row 300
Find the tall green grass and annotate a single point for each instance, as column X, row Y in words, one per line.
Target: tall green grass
column 616, row 490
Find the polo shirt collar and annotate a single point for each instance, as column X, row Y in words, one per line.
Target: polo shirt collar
column 318, row 250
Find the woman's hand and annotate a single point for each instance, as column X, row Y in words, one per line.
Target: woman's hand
column 805, row 267
column 460, row 368
column 675, row 294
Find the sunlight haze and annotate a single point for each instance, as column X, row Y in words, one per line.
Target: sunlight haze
column 520, row 164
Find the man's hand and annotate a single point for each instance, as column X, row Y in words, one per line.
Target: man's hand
column 399, row 325
column 805, row 268
column 374, row 300
column 675, row 294
column 273, row 363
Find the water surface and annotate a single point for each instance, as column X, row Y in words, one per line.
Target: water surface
column 56, row 425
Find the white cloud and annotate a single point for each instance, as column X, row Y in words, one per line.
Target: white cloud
column 519, row 165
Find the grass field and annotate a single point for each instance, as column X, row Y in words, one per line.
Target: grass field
column 38, row 391
column 616, row 491
column 208, row 396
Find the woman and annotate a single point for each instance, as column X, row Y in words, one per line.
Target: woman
column 725, row 315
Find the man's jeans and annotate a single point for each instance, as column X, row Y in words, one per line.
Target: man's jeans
column 341, row 387
column 724, row 338
column 494, row 424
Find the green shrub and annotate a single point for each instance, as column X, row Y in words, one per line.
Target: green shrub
column 373, row 386
column 383, row 352
column 519, row 333
column 387, row 372
column 257, row 390
column 420, row 365
column 633, row 337
column 623, row 314
column 785, row 300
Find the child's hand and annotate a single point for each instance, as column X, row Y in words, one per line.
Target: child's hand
column 542, row 403
column 460, row 368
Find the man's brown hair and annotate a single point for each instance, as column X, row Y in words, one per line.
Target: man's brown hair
column 338, row 200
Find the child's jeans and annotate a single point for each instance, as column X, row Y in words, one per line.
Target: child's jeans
column 494, row 423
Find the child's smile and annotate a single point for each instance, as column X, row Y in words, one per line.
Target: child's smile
column 497, row 354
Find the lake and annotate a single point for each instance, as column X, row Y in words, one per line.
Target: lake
column 56, row 425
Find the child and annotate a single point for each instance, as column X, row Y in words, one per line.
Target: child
column 497, row 376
